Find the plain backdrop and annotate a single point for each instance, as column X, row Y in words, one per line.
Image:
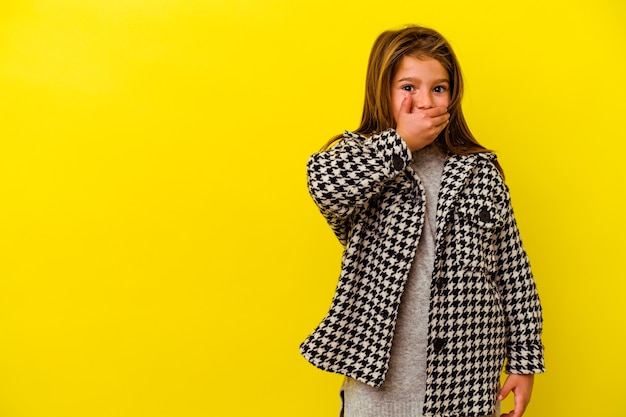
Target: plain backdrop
column 159, row 253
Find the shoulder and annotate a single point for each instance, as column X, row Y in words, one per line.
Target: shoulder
column 478, row 171
column 483, row 161
column 490, row 162
column 347, row 142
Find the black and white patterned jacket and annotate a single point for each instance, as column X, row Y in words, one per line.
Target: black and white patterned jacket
column 484, row 306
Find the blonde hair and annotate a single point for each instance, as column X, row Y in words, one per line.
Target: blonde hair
column 385, row 57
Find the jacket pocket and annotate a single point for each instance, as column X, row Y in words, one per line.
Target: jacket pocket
column 480, row 212
column 476, row 225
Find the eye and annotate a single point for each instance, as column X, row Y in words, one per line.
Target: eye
column 407, row 88
column 440, row 89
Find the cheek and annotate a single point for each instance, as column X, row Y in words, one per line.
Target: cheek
column 444, row 101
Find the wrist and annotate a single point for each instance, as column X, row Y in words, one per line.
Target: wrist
column 409, row 142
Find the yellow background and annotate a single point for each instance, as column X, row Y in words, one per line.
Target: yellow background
column 159, row 253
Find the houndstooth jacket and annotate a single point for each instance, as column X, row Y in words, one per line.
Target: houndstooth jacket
column 484, row 305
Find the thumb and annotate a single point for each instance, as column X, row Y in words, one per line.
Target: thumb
column 505, row 390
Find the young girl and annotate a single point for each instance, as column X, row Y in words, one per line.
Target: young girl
column 435, row 290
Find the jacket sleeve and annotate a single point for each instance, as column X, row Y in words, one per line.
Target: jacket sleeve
column 520, row 300
column 343, row 179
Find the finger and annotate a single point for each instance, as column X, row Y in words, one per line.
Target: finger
column 520, row 404
column 405, row 106
column 505, row 390
column 441, row 121
column 436, row 111
column 516, row 412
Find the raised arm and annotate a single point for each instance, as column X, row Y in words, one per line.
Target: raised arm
column 344, row 178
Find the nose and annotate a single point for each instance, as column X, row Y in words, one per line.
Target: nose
column 424, row 100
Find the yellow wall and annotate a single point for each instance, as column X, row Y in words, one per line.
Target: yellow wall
column 159, row 253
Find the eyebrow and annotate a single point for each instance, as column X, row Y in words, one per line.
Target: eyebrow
column 413, row 79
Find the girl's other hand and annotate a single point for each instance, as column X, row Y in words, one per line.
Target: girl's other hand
column 419, row 127
column 522, row 386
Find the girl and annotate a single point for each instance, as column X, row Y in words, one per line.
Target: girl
column 435, row 290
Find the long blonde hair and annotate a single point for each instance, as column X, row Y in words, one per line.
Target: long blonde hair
column 385, row 57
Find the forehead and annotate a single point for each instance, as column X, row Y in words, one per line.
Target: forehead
column 423, row 68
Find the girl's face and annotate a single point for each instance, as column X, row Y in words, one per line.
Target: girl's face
column 425, row 79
